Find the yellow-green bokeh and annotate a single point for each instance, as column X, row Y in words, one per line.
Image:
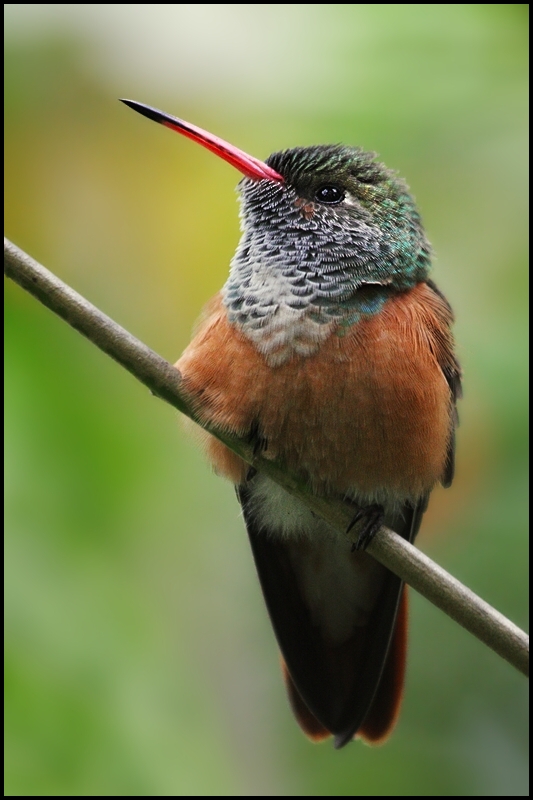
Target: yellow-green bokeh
column 139, row 659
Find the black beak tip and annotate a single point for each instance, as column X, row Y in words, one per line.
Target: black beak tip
column 146, row 111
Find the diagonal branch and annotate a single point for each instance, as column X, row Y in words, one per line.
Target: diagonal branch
column 163, row 380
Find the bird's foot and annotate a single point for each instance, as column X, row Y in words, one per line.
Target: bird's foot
column 373, row 520
column 259, row 443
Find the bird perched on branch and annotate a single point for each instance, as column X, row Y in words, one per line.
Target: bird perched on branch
column 331, row 350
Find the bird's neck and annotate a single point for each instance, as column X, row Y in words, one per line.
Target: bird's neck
column 288, row 311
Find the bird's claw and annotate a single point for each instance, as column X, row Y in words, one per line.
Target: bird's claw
column 373, row 520
column 259, row 443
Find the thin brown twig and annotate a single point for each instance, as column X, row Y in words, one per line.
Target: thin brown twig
column 163, row 380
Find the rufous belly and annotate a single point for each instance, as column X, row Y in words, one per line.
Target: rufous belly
column 368, row 414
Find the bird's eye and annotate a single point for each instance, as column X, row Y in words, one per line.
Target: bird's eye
column 330, row 194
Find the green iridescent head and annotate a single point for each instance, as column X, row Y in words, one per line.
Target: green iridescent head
column 342, row 188
column 332, row 236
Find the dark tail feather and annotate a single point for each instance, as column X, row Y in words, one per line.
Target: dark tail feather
column 349, row 689
column 385, row 708
column 305, row 718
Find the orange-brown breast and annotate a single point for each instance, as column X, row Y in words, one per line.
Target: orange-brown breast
column 369, row 413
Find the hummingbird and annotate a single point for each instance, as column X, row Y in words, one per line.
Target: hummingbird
column 331, row 350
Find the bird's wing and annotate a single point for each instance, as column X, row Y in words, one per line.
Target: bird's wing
column 452, row 372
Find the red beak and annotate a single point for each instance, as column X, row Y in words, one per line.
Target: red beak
column 248, row 165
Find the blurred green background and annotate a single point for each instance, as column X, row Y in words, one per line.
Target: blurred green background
column 139, row 658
